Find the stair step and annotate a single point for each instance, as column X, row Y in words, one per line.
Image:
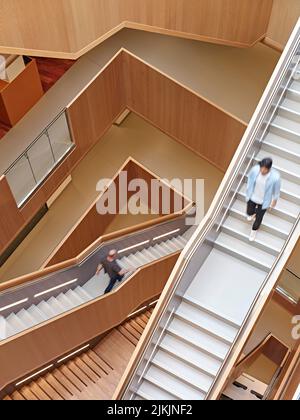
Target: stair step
column 191, row 355
column 56, row 305
column 143, row 257
column 47, row 309
column 148, row 254
column 37, row 314
column 264, row 240
column 65, row 302
column 206, row 322
column 155, row 250
column 203, row 307
column 172, row 385
column 290, row 191
column 199, row 339
column 290, row 109
column 150, row 392
column 172, row 245
column 271, row 223
column 282, row 146
column 161, row 250
column 74, row 298
column 288, row 169
column 26, row 318
column 286, row 127
column 180, row 242
column 15, row 324
column 291, row 106
column 81, row 292
column 182, row 371
column 245, row 252
column 284, row 208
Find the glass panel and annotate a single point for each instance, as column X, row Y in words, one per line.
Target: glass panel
column 290, row 283
column 21, row 180
column 41, row 157
column 60, row 137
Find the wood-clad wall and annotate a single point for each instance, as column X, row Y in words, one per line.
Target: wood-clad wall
column 70, row 28
column 285, row 14
column 32, row 350
column 128, row 82
column 21, row 94
column 95, row 111
column 93, row 225
column 193, row 121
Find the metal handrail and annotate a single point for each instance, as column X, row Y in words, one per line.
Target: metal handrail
column 34, row 141
column 265, row 105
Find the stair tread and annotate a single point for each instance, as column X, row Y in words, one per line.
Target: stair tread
column 182, row 371
column 248, row 250
column 295, row 86
column 206, row 321
column 264, row 238
column 205, row 307
column 271, row 220
column 198, row 338
column 283, row 144
column 281, row 163
column 195, row 356
column 288, row 124
column 172, row 385
column 291, row 105
column 150, row 392
column 283, row 205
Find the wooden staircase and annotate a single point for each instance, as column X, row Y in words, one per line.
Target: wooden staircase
column 95, row 374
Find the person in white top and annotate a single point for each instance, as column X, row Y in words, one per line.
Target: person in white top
column 263, row 191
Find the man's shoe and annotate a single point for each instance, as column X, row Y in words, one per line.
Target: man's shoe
column 251, row 218
column 252, row 236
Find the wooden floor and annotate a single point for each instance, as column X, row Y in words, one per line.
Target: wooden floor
column 95, row 374
column 50, row 70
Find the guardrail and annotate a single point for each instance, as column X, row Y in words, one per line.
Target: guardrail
column 39, row 159
column 199, row 247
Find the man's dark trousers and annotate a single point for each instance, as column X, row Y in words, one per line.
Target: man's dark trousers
column 112, row 282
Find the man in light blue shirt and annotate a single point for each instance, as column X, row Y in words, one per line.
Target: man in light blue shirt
column 263, row 191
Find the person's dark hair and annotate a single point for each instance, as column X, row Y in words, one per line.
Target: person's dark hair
column 266, row 163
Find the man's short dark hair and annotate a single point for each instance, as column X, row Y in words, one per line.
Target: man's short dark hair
column 266, row 163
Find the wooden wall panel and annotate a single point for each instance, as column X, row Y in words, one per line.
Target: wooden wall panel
column 71, row 27
column 92, row 225
column 208, row 131
column 285, row 14
column 20, row 95
column 31, row 350
column 92, row 115
column 11, row 220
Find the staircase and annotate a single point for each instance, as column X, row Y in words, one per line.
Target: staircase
column 94, row 288
column 195, row 342
column 92, row 375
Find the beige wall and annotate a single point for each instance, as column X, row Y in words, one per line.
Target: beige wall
column 275, row 320
column 69, row 28
column 285, row 14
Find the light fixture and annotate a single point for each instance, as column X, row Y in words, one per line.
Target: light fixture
column 166, row 234
column 134, row 246
column 55, row 288
column 73, row 354
column 14, row 304
column 34, row 375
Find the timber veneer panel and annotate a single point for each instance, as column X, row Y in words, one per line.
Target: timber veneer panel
column 70, row 28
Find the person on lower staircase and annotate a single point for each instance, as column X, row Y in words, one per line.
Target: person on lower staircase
column 263, row 192
column 112, row 268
